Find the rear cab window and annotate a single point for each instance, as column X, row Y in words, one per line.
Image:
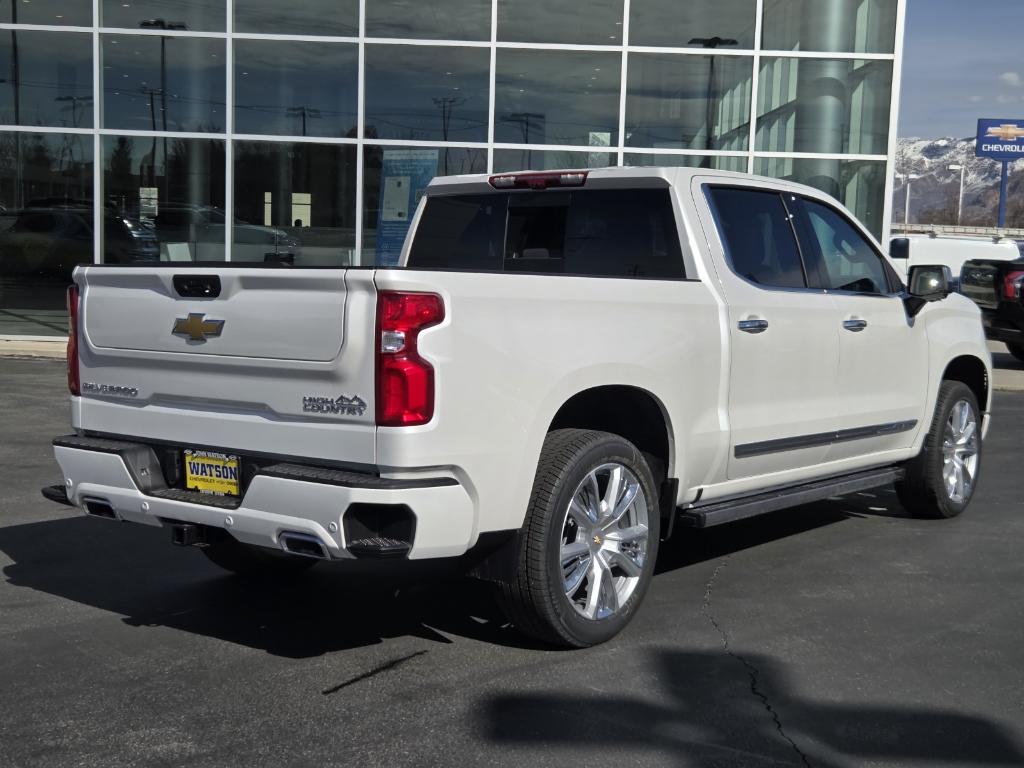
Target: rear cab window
column 600, row 233
column 758, row 236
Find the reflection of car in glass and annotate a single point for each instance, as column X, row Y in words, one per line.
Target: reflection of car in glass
column 201, row 229
column 49, row 240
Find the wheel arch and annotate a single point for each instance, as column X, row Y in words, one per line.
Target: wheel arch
column 972, row 371
column 628, row 411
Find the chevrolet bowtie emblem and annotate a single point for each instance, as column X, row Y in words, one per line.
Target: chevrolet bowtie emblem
column 1006, row 132
column 196, row 327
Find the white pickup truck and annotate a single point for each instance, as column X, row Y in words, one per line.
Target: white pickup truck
column 564, row 367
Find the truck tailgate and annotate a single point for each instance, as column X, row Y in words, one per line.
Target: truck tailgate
column 276, row 361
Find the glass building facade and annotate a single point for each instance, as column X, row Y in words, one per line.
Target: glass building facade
column 139, row 131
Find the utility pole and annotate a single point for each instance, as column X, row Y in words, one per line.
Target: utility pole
column 303, row 112
column 447, row 105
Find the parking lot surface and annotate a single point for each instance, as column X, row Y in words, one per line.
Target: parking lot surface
column 838, row 634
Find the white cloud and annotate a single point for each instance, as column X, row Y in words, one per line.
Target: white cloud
column 1011, row 78
column 975, row 98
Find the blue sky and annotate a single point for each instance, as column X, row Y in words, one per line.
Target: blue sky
column 962, row 59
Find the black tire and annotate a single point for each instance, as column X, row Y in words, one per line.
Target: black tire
column 1017, row 350
column 535, row 597
column 923, row 491
column 255, row 562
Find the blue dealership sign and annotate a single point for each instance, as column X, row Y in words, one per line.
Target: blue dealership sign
column 405, row 174
column 1000, row 139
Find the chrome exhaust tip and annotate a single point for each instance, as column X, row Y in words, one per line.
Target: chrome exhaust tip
column 99, row 508
column 303, row 544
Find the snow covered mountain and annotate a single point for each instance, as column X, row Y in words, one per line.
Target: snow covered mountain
column 933, row 197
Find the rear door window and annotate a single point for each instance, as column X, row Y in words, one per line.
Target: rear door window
column 758, row 236
column 602, row 233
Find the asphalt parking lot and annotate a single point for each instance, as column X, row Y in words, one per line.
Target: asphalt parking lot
column 836, row 634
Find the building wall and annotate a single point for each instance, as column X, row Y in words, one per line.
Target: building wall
column 138, row 129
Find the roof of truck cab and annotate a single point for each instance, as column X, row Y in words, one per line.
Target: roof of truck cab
column 614, row 176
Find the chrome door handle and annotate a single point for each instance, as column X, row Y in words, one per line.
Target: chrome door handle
column 855, row 324
column 753, row 326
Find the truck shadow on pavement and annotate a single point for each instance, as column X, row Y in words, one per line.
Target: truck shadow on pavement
column 709, row 708
column 133, row 571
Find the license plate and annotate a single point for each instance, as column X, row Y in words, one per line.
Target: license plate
column 209, row 472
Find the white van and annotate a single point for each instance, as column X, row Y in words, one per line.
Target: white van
column 952, row 252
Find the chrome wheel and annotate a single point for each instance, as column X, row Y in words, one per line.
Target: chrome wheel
column 604, row 541
column 960, row 452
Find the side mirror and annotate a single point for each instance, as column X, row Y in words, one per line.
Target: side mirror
column 899, row 248
column 927, row 283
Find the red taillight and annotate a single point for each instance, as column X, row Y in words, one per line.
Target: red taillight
column 405, row 381
column 1012, row 285
column 539, row 180
column 73, row 379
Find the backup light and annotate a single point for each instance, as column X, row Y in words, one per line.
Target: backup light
column 539, row 180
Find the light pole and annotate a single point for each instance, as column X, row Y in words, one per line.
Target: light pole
column 162, row 24
column 709, row 118
column 907, row 178
column 960, row 204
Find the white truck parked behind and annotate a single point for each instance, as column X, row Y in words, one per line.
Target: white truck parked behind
column 564, row 367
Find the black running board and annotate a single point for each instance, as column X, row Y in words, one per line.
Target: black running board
column 718, row 512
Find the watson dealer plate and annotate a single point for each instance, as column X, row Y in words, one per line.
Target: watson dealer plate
column 211, row 473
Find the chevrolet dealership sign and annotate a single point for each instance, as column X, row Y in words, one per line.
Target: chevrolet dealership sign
column 1000, row 139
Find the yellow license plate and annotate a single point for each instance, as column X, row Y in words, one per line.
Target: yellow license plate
column 211, row 473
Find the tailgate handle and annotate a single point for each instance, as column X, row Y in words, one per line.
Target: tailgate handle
column 197, row 286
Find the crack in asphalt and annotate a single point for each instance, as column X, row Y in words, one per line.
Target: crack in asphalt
column 385, row 667
column 752, row 672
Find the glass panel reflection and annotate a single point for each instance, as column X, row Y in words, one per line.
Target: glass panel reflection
column 857, row 184
column 297, row 89
column 527, row 159
column 555, row 21
column 394, row 180
column 557, row 97
column 425, row 93
column 868, row 26
column 310, row 17
column 824, row 105
column 53, row 12
column 448, row 20
column 161, row 83
column 287, row 208
column 46, row 78
column 46, row 227
column 697, row 23
column 688, row 102
column 715, row 162
column 164, row 198
column 197, row 15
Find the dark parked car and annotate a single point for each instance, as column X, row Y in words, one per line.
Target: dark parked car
column 48, row 241
column 997, row 287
